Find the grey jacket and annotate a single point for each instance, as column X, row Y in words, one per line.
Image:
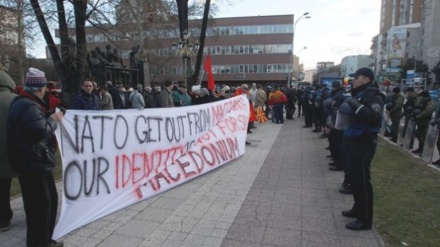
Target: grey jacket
column 6, row 97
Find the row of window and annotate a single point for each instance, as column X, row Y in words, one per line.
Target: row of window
column 231, row 69
column 232, row 49
column 248, row 30
column 221, row 31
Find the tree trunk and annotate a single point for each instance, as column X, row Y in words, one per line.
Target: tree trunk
column 81, row 49
column 59, row 66
column 194, row 77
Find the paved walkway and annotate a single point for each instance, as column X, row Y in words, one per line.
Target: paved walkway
column 280, row 193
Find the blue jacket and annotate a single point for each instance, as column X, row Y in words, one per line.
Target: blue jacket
column 368, row 117
column 85, row 101
column 30, row 141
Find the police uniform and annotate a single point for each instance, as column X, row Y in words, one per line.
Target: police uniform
column 367, row 105
column 395, row 112
column 424, row 107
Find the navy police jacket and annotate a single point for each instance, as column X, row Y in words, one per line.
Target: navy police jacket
column 368, row 117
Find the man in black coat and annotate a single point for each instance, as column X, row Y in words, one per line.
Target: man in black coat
column 31, row 152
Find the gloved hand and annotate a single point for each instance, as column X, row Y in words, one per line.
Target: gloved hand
column 354, row 103
column 416, row 112
column 62, row 109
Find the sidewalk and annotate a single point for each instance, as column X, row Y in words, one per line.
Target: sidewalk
column 280, row 193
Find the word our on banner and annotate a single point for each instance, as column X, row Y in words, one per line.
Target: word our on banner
column 113, row 159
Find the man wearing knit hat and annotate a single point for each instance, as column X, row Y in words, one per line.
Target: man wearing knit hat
column 7, row 95
column 31, row 152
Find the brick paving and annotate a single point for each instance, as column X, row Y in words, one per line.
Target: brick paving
column 280, row 193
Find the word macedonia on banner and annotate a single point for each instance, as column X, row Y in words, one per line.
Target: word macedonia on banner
column 113, row 159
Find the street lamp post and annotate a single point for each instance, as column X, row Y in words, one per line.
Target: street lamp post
column 186, row 50
column 299, row 55
column 303, row 16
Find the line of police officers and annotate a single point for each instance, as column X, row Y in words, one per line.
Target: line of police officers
column 351, row 122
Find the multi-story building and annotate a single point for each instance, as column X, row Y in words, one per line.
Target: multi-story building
column 350, row 64
column 251, row 49
column 243, row 50
column 407, row 30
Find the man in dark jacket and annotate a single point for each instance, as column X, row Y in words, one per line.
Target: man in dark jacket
column 366, row 106
column 86, row 99
column 7, row 85
column 31, row 152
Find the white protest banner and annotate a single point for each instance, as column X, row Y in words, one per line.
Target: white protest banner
column 113, row 159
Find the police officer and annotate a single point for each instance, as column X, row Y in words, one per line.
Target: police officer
column 361, row 135
column 408, row 108
column 335, row 138
column 395, row 112
column 317, row 108
column 424, row 107
column 307, row 107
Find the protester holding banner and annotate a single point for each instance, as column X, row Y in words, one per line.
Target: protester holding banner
column 244, row 89
column 31, row 152
column 7, row 94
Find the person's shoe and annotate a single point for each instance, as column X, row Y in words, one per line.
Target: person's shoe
column 349, row 213
column 417, row 151
column 5, row 226
column 336, row 168
column 306, row 126
column 249, row 132
column 437, row 162
column 315, row 130
column 54, row 243
column 248, row 143
column 358, row 225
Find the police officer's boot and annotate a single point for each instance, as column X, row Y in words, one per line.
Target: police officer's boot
column 345, row 188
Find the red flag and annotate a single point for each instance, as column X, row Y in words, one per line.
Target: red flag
column 211, row 83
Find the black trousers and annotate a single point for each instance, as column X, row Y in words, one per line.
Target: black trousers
column 307, row 109
column 360, row 152
column 40, row 201
column 5, row 201
column 290, row 110
column 335, row 139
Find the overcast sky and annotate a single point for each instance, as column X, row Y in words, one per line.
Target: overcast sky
column 337, row 28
